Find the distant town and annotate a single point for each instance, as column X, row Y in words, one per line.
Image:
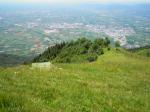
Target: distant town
column 29, row 32
column 116, row 33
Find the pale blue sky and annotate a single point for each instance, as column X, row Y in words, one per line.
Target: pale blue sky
column 74, row 1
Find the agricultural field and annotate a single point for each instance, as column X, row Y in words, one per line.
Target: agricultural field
column 29, row 30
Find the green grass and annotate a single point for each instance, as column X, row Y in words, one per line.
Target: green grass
column 144, row 52
column 116, row 82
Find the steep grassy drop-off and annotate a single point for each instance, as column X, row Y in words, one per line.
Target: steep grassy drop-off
column 143, row 51
column 7, row 60
column 117, row 81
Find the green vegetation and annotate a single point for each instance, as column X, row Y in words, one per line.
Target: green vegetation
column 143, row 51
column 23, row 32
column 119, row 81
column 81, row 50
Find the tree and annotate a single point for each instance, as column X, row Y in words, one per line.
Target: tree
column 107, row 42
column 92, row 58
column 94, row 48
column 99, row 41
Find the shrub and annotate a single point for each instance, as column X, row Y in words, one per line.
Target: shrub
column 94, row 48
column 107, row 42
column 102, row 51
column 99, row 41
column 148, row 54
column 92, row 58
column 108, row 48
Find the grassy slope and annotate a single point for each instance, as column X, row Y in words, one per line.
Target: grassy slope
column 115, row 82
column 144, row 52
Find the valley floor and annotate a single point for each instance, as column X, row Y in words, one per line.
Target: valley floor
column 116, row 82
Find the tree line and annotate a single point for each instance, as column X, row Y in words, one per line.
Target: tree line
column 80, row 50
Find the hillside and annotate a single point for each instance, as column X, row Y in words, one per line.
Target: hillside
column 12, row 60
column 81, row 50
column 143, row 51
column 116, row 81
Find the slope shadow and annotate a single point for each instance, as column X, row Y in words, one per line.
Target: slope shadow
column 9, row 60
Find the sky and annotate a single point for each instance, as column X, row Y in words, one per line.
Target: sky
column 74, row 1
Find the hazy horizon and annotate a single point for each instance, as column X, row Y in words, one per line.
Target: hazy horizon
column 77, row 1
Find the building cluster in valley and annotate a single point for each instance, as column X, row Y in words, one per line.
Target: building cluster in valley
column 117, row 33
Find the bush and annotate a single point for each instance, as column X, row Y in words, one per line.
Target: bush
column 107, row 42
column 83, row 51
column 148, row 54
column 92, row 58
column 102, row 51
column 108, row 48
column 94, row 48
